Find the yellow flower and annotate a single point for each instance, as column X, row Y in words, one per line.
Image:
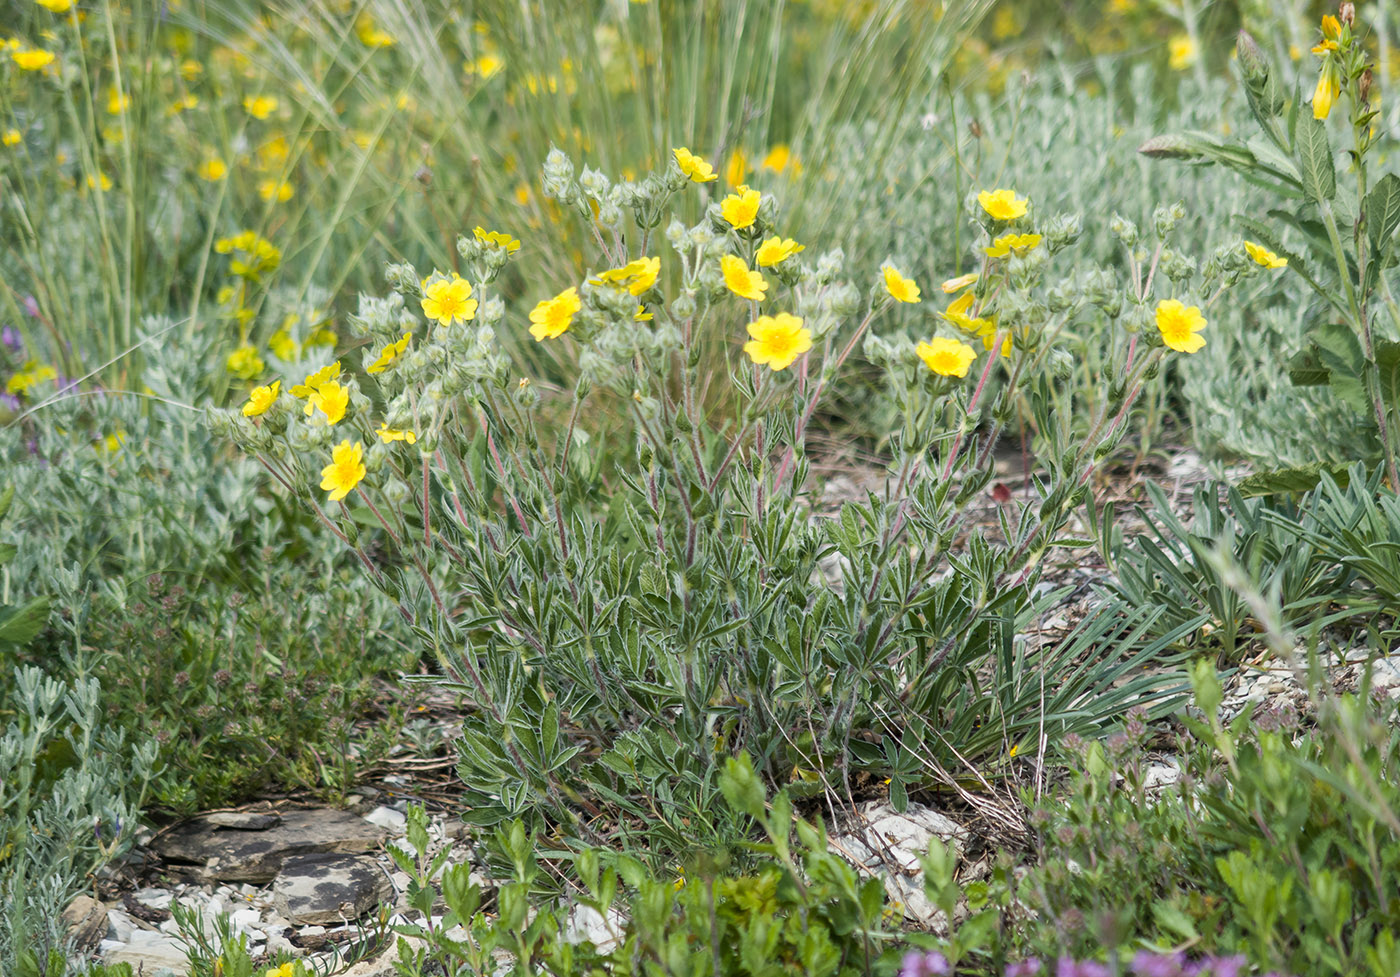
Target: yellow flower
column 286, row 970
column 346, row 469
column 900, row 288
column 1181, row 52
column 946, row 357
column 32, row 60
column 389, row 435
column 1179, row 324
column 741, row 209
column 101, row 182
column 779, row 158
column 191, row 69
column 642, row 315
column 637, row 276
column 213, row 169
column 1329, row 86
column 32, row 373
column 962, row 281
column 553, row 317
column 389, row 354
column 446, row 301
column 1264, row 256
column 1007, row 243
column 1331, row 34
column 112, row 443
column 370, row 35
column 1002, row 205
column 777, row 340
column 244, row 362
column 316, row 380
column 11, row 137
column 282, row 190
column 56, row 6
column 693, row 166
column 282, row 344
column 498, row 239
column 776, row 250
column 260, row 106
column 739, row 280
column 117, row 101
column 331, row 399
column 736, row 169
column 261, row 399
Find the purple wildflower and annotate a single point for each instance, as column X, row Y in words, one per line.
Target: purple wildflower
column 11, row 339
column 1148, row 964
column 1026, row 968
column 930, row 964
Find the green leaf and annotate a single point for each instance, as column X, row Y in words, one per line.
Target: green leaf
column 19, row 625
column 1315, row 159
column 1388, row 363
column 5, row 499
column 1382, row 211
column 1306, row 370
column 1340, row 353
column 1172, row 918
column 1295, row 481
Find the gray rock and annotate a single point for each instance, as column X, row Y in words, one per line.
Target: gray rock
column 85, row 919
column 387, row 818
column 328, row 888
column 153, row 898
column 244, row 820
column 152, row 959
column 241, row 855
column 119, row 926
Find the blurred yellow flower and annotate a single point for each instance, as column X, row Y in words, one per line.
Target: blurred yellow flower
column 261, row 398
column 1264, row 256
column 32, row 60
column 281, row 190
column 779, row 158
column 244, row 362
column 389, row 434
column 260, row 106
column 522, row 194
column 776, row 250
column 449, row 300
column 389, row 354
column 1002, row 205
column 497, row 239
column 282, row 345
column 1181, row 52
column 330, row 399
column 636, row 276
column 742, row 282
column 190, row 69
column 693, row 166
column 946, row 357
column 1007, row 243
column 11, row 137
column 212, row 169
column 553, row 317
column 369, row 34
column 1179, row 324
column 33, row 372
column 117, row 101
column 900, row 288
column 741, row 209
column 345, row 471
column 736, row 169
column 101, row 182
column 777, row 341
column 56, row 6
column 962, row 281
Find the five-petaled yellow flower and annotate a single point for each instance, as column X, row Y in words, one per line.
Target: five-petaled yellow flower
column 900, row 288
column 261, row 398
column 742, row 282
column 553, row 317
column 1179, row 325
column 446, row 301
column 497, row 239
column 346, row 469
column 260, row 106
column 946, row 357
column 693, row 166
column 962, row 281
column 1181, row 51
column 389, row 434
column 636, row 276
column 1008, row 243
column 316, row 380
column 775, row 251
column 1002, row 205
column 35, row 60
column 777, row 340
column 1264, row 256
column 389, row 354
column 331, row 399
column 741, row 209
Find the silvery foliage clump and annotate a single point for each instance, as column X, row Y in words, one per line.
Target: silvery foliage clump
column 70, row 800
column 1073, row 149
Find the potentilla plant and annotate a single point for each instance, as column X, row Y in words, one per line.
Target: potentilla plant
column 625, row 576
column 1345, row 230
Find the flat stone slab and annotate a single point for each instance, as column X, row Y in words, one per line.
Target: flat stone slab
column 329, row 888
column 256, row 854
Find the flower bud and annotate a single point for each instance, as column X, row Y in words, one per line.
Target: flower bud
column 1125, row 230
column 1346, row 13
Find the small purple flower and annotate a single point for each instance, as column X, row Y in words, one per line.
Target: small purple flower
column 31, row 306
column 11, row 339
column 930, row 964
column 1148, row 964
column 9, row 401
column 1228, row 966
column 1026, row 968
column 1069, row 967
